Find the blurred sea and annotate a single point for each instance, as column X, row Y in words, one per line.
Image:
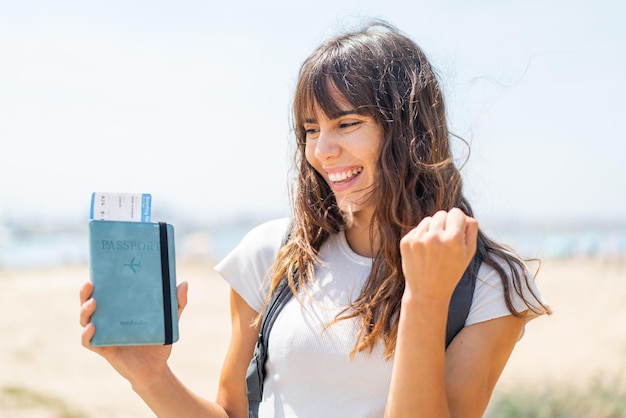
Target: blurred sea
column 23, row 246
column 46, row 244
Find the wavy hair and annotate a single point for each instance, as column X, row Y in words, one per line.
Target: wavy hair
column 386, row 75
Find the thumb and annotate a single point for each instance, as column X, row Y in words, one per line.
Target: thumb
column 181, row 294
column 471, row 234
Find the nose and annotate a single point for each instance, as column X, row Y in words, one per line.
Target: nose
column 327, row 145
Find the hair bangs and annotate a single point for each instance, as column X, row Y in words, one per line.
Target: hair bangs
column 330, row 83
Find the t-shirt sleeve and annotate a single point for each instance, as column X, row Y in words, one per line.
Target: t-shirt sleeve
column 246, row 266
column 488, row 301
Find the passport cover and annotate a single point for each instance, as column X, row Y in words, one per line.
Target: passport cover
column 132, row 267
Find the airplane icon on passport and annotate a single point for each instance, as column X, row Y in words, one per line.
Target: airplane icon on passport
column 132, row 265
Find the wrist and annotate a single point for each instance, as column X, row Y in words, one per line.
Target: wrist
column 422, row 321
column 152, row 382
column 424, row 302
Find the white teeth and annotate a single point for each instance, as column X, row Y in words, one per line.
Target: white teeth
column 344, row 175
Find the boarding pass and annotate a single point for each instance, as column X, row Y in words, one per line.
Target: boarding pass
column 133, row 207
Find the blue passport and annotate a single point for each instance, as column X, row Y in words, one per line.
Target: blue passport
column 133, row 269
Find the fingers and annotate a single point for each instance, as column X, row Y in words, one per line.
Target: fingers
column 85, row 292
column 87, row 304
column 438, row 221
column 465, row 226
column 453, row 225
column 454, row 220
column 86, row 310
column 87, row 334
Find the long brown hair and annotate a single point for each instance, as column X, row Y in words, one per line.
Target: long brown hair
column 386, row 75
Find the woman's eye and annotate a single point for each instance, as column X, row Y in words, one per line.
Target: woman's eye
column 310, row 131
column 344, row 125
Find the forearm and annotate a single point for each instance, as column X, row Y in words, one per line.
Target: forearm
column 418, row 378
column 168, row 397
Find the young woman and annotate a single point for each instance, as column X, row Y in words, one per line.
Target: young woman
column 379, row 237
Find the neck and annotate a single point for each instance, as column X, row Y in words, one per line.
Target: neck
column 359, row 237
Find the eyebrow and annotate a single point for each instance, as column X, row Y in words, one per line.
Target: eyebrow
column 337, row 115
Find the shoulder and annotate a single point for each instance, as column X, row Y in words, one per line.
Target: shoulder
column 246, row 266
column 489, row 295
column 267, row 236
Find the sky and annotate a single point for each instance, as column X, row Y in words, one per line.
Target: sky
column 190, row 101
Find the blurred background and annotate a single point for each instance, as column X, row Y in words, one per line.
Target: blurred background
column 190, row 101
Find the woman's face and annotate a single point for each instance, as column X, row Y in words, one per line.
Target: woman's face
column 344, row 148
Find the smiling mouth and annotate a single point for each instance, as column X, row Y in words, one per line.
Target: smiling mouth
column 344, row 176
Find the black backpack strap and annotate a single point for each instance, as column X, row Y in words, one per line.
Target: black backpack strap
column 461, row 300
column 255, row 376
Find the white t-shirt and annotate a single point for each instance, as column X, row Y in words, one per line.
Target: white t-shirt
column 309, row 372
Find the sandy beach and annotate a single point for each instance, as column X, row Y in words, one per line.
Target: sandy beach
column 45, row 372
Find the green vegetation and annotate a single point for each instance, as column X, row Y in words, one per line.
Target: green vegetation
column 14, row 400
column 601, row 398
